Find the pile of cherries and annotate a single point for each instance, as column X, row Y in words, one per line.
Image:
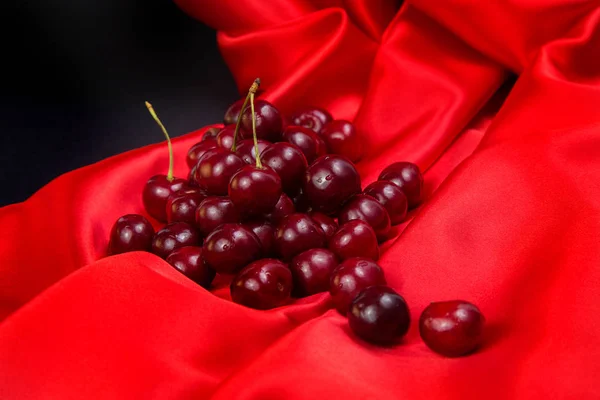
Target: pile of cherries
column 280, row 209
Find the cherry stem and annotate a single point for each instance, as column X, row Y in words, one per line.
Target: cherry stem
column 258, row 162
column 253, row 88
column 162, row 127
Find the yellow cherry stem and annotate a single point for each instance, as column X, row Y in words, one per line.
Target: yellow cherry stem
column 253, row 88
column 258, row 162
column 162, row 127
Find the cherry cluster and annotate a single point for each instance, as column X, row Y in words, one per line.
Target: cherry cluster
column 279, row 207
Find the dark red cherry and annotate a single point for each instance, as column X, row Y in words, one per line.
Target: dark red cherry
column 131, row 232
column 245, row 149
column 379, row 315
column 215, row 211
column 452, row 328
column 215, row 169
column 311, row 144
column 211, row 134
column 284, row 207
column 352, row 276
column 341, row 138
column 391, row 197
column 156, row 193
column 231, row 247
column 174, row 236
column 181, row 206
column 329, row 182
column 407, row 176
column 255, row 190
column 265, row 233
column 225, row 137
column 198, row 150
column 355, row 238
column 311, row 270
column 263, row 285
column 313, row 118
column 233, row 112
column 188, row 260
column 297, row 233
column 268, row 121
column 326, row 223
column 366, row 208
column 289, row 162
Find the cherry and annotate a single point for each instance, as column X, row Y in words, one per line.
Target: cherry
column 255, row 190
column 215, row 211
column 210, row 134
column 215, row 169
column 225, row 137
column 283, row 207
column 329, row 182
column 289, row 163
column 312, row 118
column 233, row 112
column 131, row 232
column 341, row 138
column 190, row 179
column 181, row 206
column 198, row 150
column 355, row 238
column 311, row 144
column 246, row 151
column 311, row 270
column 391, row 197
column 268, row 121
column 452, row 328
column 366, row 208
column 265, row 233
column 326, row 223
column 174, row 236
column 352, row 276
column 379, row 315
column 297, row 233
column 262, row 285
column 230, row 247
column 188, row 260
column 407, row 176
column 301, row 202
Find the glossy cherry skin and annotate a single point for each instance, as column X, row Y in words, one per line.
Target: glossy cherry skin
column 297, row 233
column 312, row 270
column 156, row 192
column 284, row 207
column 341, row 138
column 326, row 223
column 329, row 182
column 174, row 236
column 379, row 315
column 255, row 191
column 355, row 238
column 263, row 285
column 269, row 123
column 352, row 276
column 198, row 150
column 366, row 208
column 391, row 197
column 265, row 233
column 452, row 328
column 289, row 162
column 181, row 206
column 215, row 211
column 225, row 137
column 211, row 134
column 215, row 169
column 233, row 112
column 311, row 144
column 313, row 118
column 407, row 176
column 188, row 260
column 131, row 232
column 231, row 247
column 245, row 149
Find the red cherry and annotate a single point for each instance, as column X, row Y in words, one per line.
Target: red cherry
column 215, row 169
column 301, row 202
column 352, row 276
column 245, row 149
column 233, row 112
column 265, row 233
column 255, row 191
column 311, row 270
column 210, row 134
column 174, row 236
column 329, row 182
column 313, row 118
column 297, row 233
column 407, row 176
column 188, row 260
column 341, row 138
column 225, row 137
column 198, row 150
column 131, row 232
column 311, row 144
column 289, row 162
column 264, row 284
column 368, row 209
column 268, row 121
column 452, row 328
column 355, row 238
column 215, row 211
column 156, row 193
column 379, row 315
column 391, row 197
column 326, row 223
column 181, row 206
column 230, row 247
column 283, row 207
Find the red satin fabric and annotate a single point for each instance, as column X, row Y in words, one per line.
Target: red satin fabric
column 511, row 222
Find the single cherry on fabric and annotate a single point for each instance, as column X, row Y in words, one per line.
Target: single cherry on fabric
column 215, row 169
column 407, row 176
column 174, row 236
column 297, row 233
column 452, row 328
column 289, row 162
column 379, row 315
column 215, row 211
column 231, row 247
column 263, row 285
column 283, row 207
column 366, row 208
column 352, row 276
column 198, row 150
column 188, row 260
column 246, row 151
column 131, row 232
column 313, row 118
column 181, row 206
column 355, row 238
column 391, row 197
column 311, row 144
column 268, row 121
column 326, row 223
column 265, row 233
column 312, row 270
column 341, row 138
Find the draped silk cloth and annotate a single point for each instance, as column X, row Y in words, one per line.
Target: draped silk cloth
column 497, row 101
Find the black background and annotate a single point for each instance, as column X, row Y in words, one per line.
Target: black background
column 75, row 77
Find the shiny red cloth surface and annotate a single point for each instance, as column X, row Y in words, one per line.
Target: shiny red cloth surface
column 511, row 222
